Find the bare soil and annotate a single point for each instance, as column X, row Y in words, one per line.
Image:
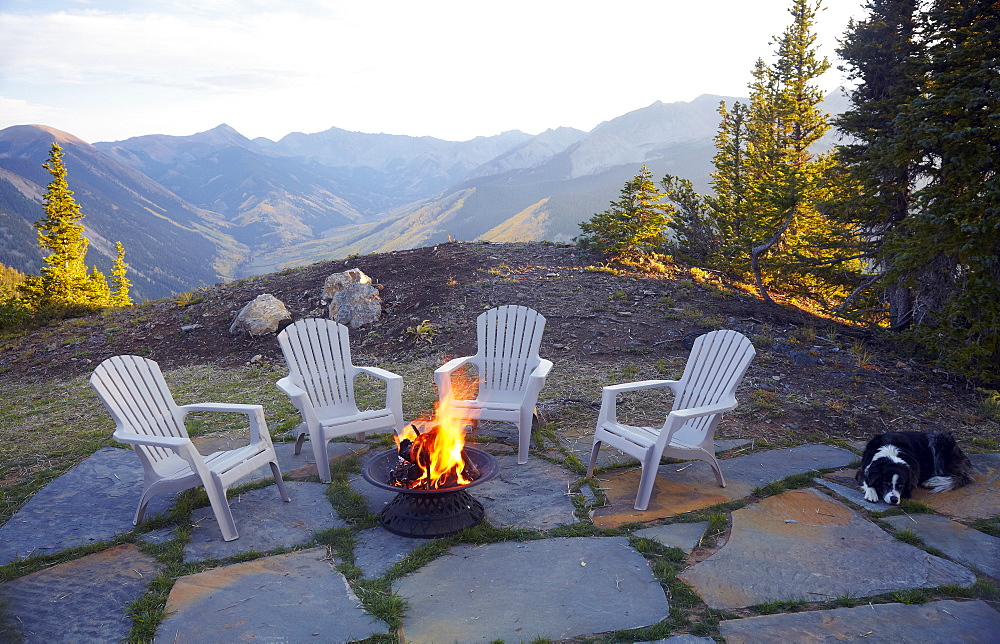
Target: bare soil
column 812, row 380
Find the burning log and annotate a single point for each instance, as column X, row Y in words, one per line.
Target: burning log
column 420, row 466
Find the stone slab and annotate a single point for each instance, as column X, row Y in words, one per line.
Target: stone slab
column 84, row 600
column 519, row 591
column 688, row 486
column 978, row 500
column 94, row 501
column 534, row 496
column 685, row 536
column 969, row 547
column 803, row 545
column 297, row 597
column 264, row 521
column 932, row 623
column 849, row 492
column 377, row 550
column 687, row 638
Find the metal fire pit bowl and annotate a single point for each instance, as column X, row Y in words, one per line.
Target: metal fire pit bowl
column 428, row 514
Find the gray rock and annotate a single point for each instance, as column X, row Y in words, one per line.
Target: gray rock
column 264, row 521
column 262, row 315
column 356, row 305
column 513, row 591
column 377, row 550
column 941, row 621
column 84, row 600
column 803, row 545
column 967, row 546
column 94, row 501
column 296, row 597
column 685, row 536
column 337, row 282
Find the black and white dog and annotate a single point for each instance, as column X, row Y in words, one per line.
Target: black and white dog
column 896, row 462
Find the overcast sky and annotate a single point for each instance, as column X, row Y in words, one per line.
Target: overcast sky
column 107, row 70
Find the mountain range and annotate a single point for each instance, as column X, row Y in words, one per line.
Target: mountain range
column 215, row 206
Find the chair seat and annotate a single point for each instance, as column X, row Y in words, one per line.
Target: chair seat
column 360, row 417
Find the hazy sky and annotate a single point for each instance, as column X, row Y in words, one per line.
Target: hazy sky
column 107, row 70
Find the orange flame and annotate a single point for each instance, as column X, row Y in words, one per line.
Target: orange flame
column 437, row 448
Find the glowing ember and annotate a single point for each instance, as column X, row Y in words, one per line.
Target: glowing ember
column 430, row 456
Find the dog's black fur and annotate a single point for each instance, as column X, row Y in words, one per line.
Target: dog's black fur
column 895, row 462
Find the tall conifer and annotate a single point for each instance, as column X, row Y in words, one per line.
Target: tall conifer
column 882, row 54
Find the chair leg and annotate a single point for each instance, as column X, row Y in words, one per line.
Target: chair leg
column 300, row 438
column 718, row 471
column 646, row 482
column 524, row 436
column 322, row 462
column 593, row 458
column 276, row 472
column 223, row 513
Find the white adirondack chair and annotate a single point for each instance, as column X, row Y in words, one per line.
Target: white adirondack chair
column 715, row 367
column 510, row 372
column 320, row 382
column 147, row 418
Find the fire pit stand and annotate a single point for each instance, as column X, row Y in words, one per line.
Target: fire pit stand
column 427, row 514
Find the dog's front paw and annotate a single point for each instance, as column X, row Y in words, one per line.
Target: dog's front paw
column 870, row 494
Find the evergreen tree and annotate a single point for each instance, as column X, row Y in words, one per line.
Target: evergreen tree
column 65, row 283
column 948, row 250
column 696, row 232
column 883, row 55
column 793, row 242
column 64, row 278
column 634, row 228
column 122, row 284
column 729, row 182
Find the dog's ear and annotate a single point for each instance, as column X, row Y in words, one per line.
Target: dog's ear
column 859, row 476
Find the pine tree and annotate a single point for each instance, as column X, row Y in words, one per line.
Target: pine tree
column 948, row 250
column 883, row 55
column 64, row 279
column 633, row 229
column 65, row 283
column 122, row 284
column 793, row 242
column 729, row 182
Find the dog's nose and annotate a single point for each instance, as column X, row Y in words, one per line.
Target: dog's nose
column 892, row 499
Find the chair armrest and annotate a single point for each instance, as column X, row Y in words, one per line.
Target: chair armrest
column 542, row 370
column 167, row 442
column 289, row 387
column 255, row 415
column 609, row 396
column 236, row 408
column 380, row 373
column 724, row 405
column 442, row 375
column 639, row 386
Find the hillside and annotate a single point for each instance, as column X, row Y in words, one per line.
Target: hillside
column 812, row 380
column 212, row 206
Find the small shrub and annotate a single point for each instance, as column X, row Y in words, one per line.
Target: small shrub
column 425, row 331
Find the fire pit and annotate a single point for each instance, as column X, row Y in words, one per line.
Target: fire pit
column 429, row 513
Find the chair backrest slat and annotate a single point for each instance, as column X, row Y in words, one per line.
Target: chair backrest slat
column 318, row 353
column 135, row 393
column 509, row 339
column 715, row 367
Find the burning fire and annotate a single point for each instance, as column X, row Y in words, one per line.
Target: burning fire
column 431, row 455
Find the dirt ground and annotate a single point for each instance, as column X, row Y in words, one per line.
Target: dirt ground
column 810, row 375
